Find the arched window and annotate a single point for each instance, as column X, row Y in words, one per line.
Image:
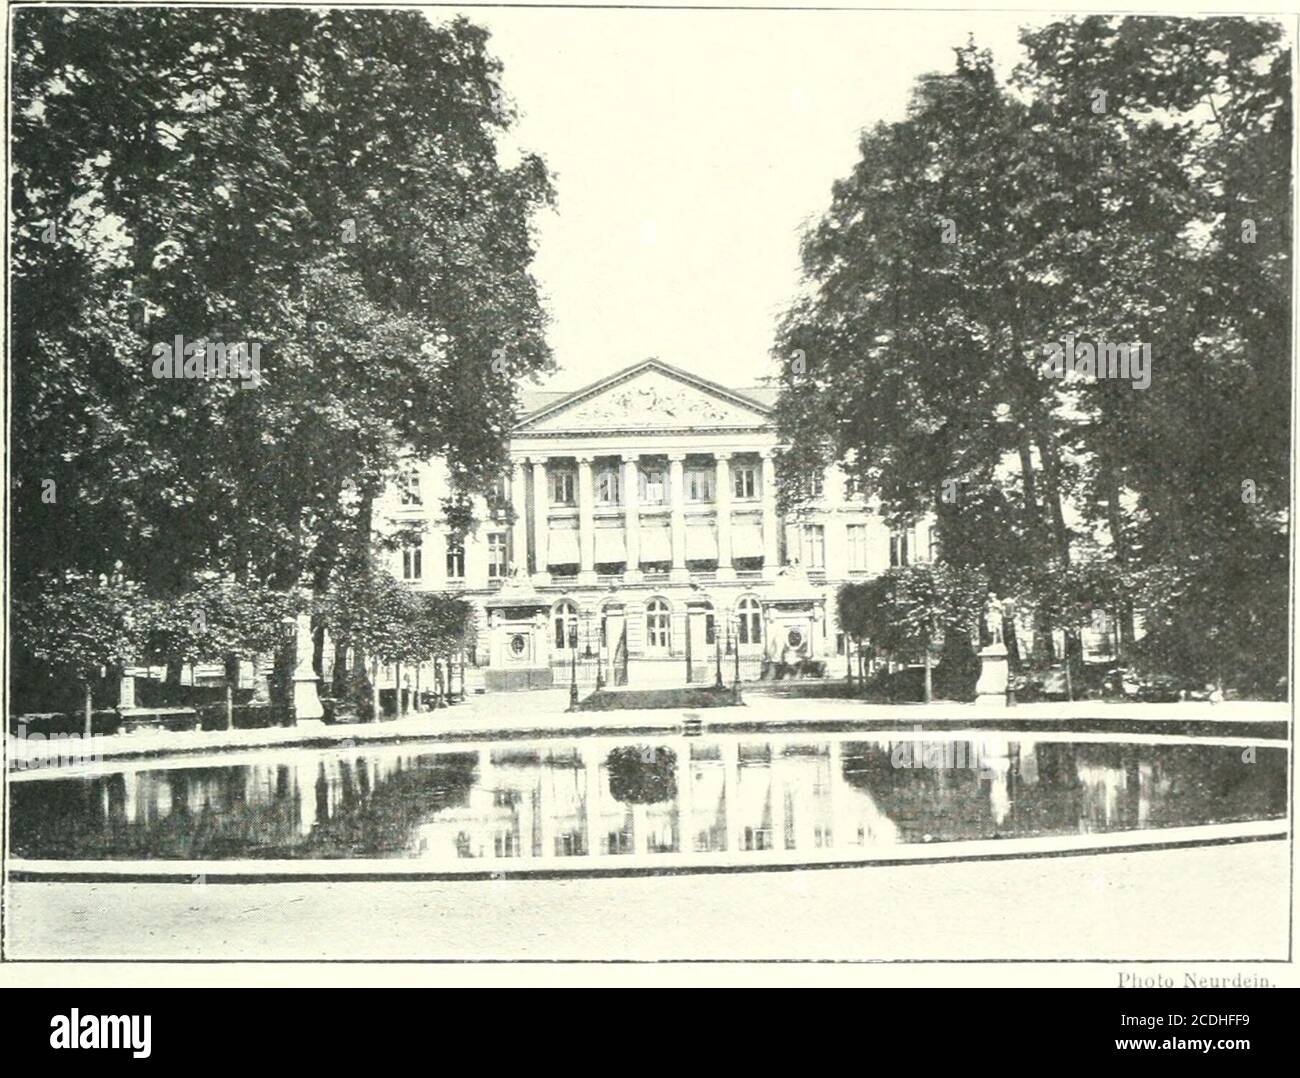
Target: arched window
column 566, row 625
column 657, row 625
column 607, row 492
column 750, row 617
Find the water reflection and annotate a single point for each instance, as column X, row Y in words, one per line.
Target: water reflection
column 597, row 800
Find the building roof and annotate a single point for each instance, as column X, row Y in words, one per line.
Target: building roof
column 535, row 401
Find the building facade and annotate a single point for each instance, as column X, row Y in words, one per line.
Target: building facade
column 643, row 546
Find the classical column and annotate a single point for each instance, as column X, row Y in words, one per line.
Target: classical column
column 541, row 501
column 677, row 504
column 519, row 530
column 770, row 556
column 723, row 503
column 631, row 521
column 586, row 523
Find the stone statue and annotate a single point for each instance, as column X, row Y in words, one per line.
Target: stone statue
column 993, row 619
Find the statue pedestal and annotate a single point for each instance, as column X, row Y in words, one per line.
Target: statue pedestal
column 991, row 689
column 306, row 701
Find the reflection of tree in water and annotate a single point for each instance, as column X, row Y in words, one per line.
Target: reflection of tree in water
column 224, row 812
column 944, row 803
column 640, row 775
column 380, row 821
column 206, row 813
column 197, row 813
column 1074, row 788
column 1200, row 784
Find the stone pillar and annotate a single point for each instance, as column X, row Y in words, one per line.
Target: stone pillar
column 723, row 503
column 631, row 520
column 586, row 524
column 126, row 692
column 615, row 622
column 770, row 547
column 541, row 501
column 677, row 505
column 991, row 689
column 519, row 530
column 306, row 702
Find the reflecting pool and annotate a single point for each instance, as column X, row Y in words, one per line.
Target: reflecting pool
column 448, row 805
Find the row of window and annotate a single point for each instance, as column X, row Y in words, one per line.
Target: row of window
column 652, row 484
column 498, row 563
column 652, row 489
column 905, row 547
column 658, row 625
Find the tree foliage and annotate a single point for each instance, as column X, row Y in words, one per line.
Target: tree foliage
column 335, row 186
column 1130, row 184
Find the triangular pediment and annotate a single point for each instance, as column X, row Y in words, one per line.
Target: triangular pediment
column 651, row 395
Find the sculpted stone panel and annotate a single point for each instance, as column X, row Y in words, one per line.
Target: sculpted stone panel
column 650, row 400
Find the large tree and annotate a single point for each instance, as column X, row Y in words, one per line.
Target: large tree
column 997, row 221
column 330, row 185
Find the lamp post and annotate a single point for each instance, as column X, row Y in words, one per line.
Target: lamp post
column 573, row 653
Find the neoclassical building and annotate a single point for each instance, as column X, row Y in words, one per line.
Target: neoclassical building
column 643, row 546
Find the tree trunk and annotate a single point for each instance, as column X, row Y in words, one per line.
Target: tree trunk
column 339, row 675
column 358, row 698
column 232, row 676
column 376, row 708
column 399, row 705
column 318, row 651
column 89, row 702
column 416, row 702
column 1051, row 473
column 929, row 674
column 1124, row 628
column 282, row 680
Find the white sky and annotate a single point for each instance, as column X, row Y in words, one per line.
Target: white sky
column 688, row 149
